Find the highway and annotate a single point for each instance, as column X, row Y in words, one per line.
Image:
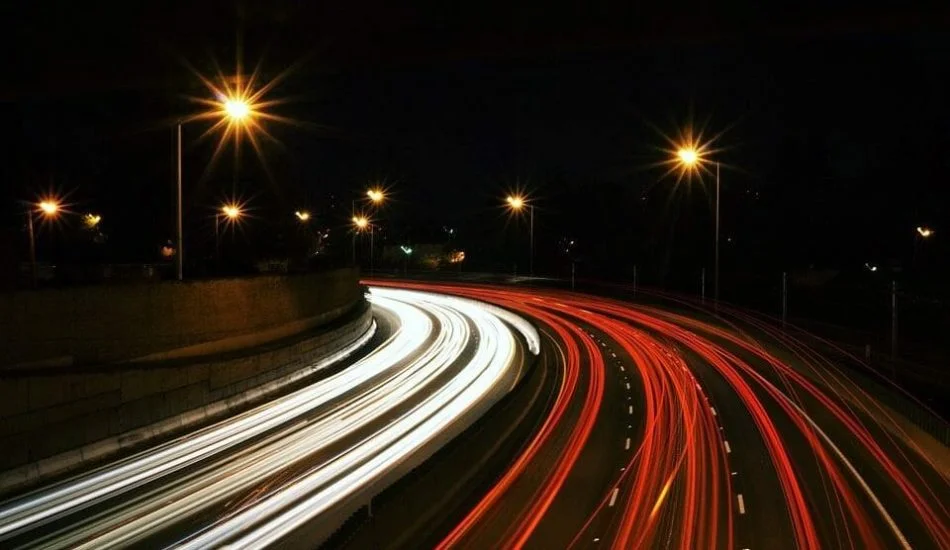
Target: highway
column 292, row 470
column 640, row 426
column 668, row 427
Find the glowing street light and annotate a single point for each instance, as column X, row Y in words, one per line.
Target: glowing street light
column 691, row 159
column 376, row 195
column 517, row 203
column 688, row 156
column 302, row 215
column 925, row 232
column 48, row 208
column 236, row 109
column 230, row 213
column 361, row 222
column 235, row 112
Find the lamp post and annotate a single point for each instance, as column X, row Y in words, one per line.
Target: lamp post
column 360, row 223
column 234, row 110
column 691, row 159
column 518, row 203
column 48, row 208
column 231, row 212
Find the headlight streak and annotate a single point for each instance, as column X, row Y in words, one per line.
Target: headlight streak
column 443, row 407
column 683, row 445
column 376, row 455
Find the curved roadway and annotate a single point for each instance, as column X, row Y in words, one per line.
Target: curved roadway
column 293, row 469
column 674, row 428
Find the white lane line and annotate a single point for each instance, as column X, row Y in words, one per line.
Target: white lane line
column 741, row 504
column 626, row 446
column 713, row 409
column 612, row 354
column 613, row 496
column 630, row 409
column 628, row 385
column 621, row 368
column 728, row 449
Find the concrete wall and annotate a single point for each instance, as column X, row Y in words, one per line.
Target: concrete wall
column 96, row 325
column 47, row 415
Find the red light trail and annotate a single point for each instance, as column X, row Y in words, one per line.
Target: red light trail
column 841, row 478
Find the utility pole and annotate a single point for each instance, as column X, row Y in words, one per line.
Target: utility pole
column 531, row 237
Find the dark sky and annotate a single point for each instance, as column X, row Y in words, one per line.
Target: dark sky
column 834, row 122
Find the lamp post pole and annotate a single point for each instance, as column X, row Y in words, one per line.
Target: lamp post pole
column 179, row 240
column 531, row 238
column 716, row 260
column 29, row 230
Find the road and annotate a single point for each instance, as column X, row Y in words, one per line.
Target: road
column 668, row 427
column 292, row 470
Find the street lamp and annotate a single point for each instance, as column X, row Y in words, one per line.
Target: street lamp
column 516, row 203
column 925, row 232
column 230, row 212
column 236, row 112
column 360, row 224
column 691, row 159
column 48, row 208
column 302, row 215
column 376, row 195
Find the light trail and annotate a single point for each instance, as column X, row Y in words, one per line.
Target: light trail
column 315, row 453
column 843, row 479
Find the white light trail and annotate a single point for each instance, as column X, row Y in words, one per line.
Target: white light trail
column 417, row 379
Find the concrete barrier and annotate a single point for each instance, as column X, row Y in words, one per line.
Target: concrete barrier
column 64, row 421
column 108, row 324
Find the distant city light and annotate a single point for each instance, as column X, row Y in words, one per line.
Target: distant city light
column 870, row 267
column 457, row 256
column 924, row 231
column 406, row 250
column 302, row 215
column 91, row 220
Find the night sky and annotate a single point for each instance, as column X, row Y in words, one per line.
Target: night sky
column 833, row 126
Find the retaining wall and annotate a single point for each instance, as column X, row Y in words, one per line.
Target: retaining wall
column 108, row 324
column 50, row 423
